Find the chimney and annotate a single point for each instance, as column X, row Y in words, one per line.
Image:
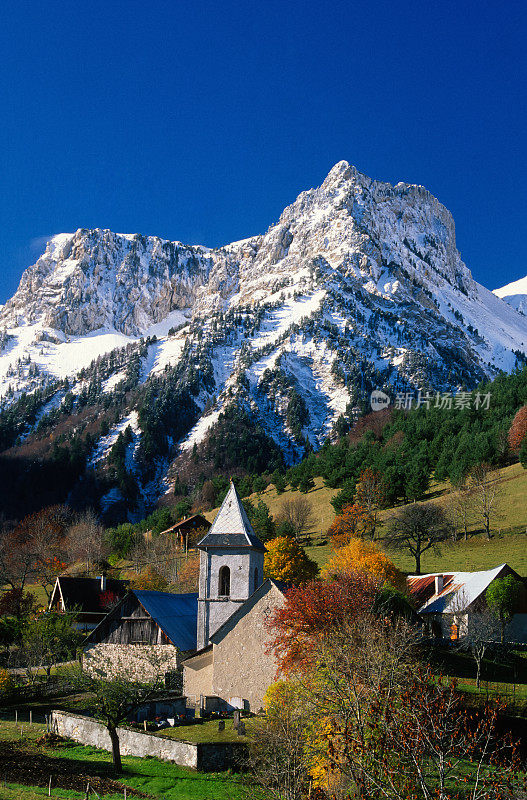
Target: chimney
column 438, row 583
column 103, row 583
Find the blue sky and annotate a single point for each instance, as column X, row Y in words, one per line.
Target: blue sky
column 200, row 121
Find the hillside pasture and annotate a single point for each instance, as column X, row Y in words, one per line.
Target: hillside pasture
column 508, row 541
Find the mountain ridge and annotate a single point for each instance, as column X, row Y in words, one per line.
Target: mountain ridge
column 358, row 286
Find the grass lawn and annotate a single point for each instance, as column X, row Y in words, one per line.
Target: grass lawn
column 157, row 779
column 208, row 732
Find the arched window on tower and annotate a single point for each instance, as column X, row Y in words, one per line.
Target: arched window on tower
column 256, row 584
column 224, row 588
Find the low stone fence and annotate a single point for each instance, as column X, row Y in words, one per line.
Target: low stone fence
column 205, row 757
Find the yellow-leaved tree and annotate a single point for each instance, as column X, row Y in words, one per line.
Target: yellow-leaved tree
column 364, row 556
column 286, row 560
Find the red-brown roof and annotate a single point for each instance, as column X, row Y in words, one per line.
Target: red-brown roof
column 422, row 588
column 194, row 518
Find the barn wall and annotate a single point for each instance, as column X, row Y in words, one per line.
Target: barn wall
column 130, row 624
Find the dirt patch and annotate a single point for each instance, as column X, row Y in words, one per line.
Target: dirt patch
column 20, row 763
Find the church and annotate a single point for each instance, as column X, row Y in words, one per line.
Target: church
column 217, row 638
column 232, row 663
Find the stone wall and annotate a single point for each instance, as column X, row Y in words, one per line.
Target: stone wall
column 205, row 757
column 242, row 667
column 139, row 662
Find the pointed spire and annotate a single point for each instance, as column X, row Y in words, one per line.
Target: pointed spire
column 231, row 528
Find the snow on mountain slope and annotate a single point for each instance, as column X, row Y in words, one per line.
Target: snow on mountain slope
column 515, row 294
column 358, row 285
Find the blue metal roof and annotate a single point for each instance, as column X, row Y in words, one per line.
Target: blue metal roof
column 176, row 615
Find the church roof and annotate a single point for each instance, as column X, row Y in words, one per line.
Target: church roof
column 231, row 528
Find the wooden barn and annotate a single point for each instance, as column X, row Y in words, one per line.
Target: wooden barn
column 146, row 634
column 188, row 530
column 89, row 598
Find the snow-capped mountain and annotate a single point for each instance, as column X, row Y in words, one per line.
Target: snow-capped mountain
column 515, row 294
column 359, row 285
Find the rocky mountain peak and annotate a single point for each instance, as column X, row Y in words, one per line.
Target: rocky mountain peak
column 358, row 286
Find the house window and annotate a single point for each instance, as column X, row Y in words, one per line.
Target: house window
column 224, row 582
column 255, row 578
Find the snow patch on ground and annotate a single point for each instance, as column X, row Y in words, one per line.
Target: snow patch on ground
column 173, row 320
column 280, row 319
column 200, row 429
column 110, row 384
column 161, row 354
column 515, row 294
column 106, row 443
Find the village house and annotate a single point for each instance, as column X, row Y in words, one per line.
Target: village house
column 147, row 634
column 448, row 601
column 89, row 598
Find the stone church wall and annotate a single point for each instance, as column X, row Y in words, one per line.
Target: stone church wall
column 197, row 676
column 242, row 667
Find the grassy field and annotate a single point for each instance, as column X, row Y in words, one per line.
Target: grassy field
column 72, row 762
column 508, row 542
column 16, row 791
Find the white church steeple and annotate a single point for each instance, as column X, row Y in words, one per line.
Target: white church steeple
column 231, row 566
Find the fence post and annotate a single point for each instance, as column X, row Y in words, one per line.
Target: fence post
column 31, row 716
column 16, row 716
column 49, row 786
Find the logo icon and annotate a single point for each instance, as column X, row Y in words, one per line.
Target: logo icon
column 379, row 400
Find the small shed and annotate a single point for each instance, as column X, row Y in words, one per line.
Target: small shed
column 187, row 529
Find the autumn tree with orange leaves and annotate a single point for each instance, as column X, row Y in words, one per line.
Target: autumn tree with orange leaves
column 363, row 556
column 518, row 430
column 313, row 609
column 188, row 576
column 355, row 520
column 369, row 721
column 286, row 560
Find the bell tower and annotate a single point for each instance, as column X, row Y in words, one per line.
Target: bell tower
column 231, row 566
